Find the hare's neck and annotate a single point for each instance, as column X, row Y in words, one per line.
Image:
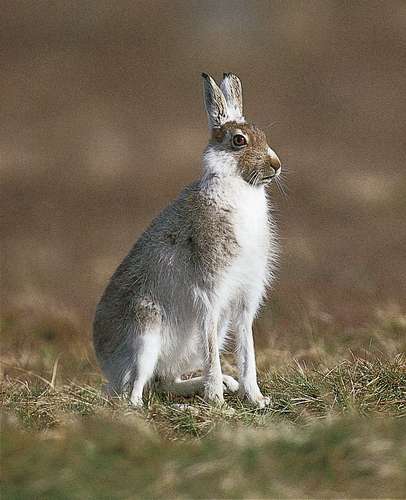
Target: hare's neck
column 218, row 163
column 221, row 169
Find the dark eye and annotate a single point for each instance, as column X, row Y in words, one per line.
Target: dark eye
column 239, row 141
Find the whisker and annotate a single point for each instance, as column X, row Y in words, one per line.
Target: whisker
column 251, row 177
column 285, row 189
column 278, row 185
column 272, row 124
column 284, row 173
column 259, row 177
column 281, row 187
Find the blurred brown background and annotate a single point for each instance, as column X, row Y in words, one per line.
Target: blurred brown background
column 102, row 124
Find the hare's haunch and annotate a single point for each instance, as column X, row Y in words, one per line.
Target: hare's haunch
column 199, row 272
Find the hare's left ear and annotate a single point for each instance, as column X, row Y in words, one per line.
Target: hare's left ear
column 215, row 102
column 232, row 90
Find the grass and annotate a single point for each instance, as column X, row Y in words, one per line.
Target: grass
column 101, row 458
column 336, row 426
column 298, row 394
column 336, row 432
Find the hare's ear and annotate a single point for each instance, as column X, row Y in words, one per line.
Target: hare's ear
column 215, row 102
column 232, row 90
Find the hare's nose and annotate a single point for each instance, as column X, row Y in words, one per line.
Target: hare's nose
column 274, row 161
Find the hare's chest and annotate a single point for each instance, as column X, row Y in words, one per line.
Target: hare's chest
column 251, row 228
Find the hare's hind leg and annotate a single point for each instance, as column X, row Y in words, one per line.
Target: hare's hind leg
column 147, row 348
column 230, row 384
column 195, row 385
column 181, row 387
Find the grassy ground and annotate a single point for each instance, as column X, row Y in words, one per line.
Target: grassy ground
column 336, row 428
column 125, row 458
column 102, row 125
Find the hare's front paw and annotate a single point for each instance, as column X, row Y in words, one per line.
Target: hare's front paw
column 230, row 384
column 255, row 397
column 213, row 392
column 136, row 402
column 261, row 401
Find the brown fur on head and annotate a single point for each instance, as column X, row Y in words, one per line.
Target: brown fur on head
column 256, row 161
column 242, row 142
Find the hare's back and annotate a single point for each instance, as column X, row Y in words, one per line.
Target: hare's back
column 189, row 244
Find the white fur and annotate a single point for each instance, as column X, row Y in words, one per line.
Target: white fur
column 231, row 87
column 149, row 346
column 188, row 322
column 238, row 294
column 244, row 282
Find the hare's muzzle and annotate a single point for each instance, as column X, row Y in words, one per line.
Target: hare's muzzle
column 273, row 164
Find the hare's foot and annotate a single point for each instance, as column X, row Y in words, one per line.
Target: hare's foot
column 196, row 385
column 136, row 400
column 261, row 402
column 213, row 392
column 255, row 397
column 187, row 387
column 230, row 384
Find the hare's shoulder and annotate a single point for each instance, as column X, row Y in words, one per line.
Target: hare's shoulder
column 211, row 227
column 199, row 223
column 195, row 229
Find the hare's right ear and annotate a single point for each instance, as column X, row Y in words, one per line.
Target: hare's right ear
column 215, row 102
column 232, row 91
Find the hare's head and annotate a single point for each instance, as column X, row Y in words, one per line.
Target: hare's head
column 235, row 147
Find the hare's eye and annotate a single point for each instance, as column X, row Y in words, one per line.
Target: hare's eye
column 239, row 141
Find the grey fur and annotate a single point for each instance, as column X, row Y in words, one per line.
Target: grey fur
column 187, row 245
column 201, row 266
column 215, row 102
column 232, row 91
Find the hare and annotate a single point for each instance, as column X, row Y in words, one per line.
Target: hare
column 199, row 272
